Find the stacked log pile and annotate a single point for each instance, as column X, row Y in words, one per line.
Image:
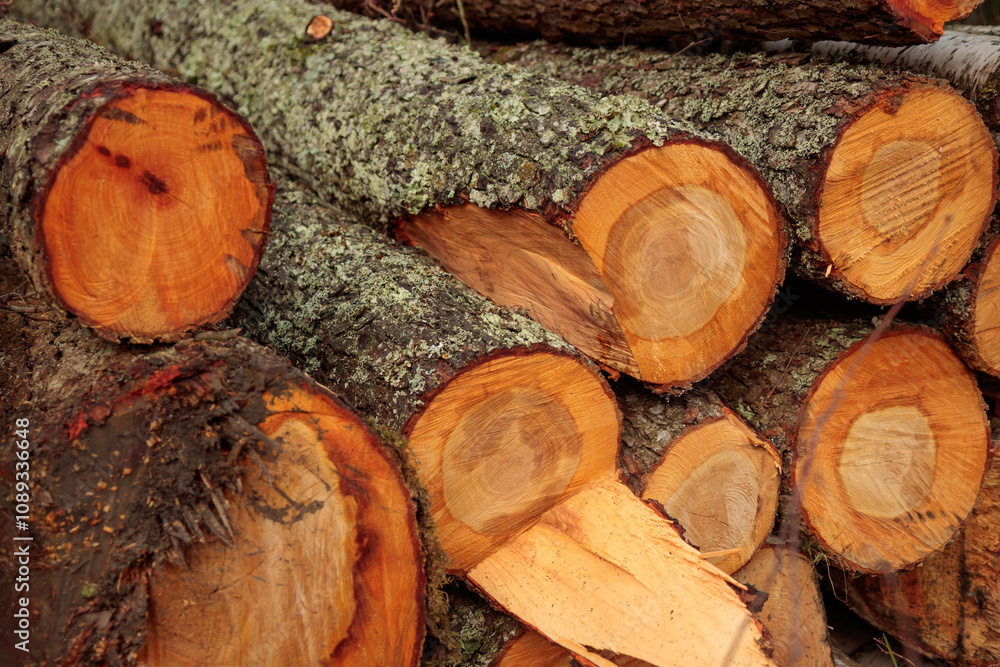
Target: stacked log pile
column 610, row 213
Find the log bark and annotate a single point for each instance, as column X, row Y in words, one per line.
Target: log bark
column 950, row 606
column 856, row 414
column 712, row 474
column 887, row 200
column 793, row 612
column 505, row 425
column 199, row 504
column 646, row 22
column 968, row 57
column 110, row 172
column 389, row 124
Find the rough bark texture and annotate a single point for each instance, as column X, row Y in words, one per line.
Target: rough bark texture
column 379, row 323
column 950, row 606
column 133, row 456
column 644, row 21
column 785, row 113
column 968, row 57
column 376, row 120
column 51, row 90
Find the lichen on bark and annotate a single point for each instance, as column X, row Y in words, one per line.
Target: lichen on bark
column 380, row 323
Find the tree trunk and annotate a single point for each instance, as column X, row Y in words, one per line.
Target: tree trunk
column 647, row 22
column 888, row 178
column 506, row 426
column 889, row 437
column 389, row 123
column 950, row 606
column 793, row 612
column 968, row 57
column 199, row 504
column 711, row 473
column 111, row 171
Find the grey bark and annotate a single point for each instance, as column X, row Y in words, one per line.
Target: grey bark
column 785, row 113
column 381, row 324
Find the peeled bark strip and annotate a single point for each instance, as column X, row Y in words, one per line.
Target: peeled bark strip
column 204, row 504
column 950, row 606
column 134, row 201
column 969, row 309
column 503, row 422
column 649, row 22
column 793, row 612
column 890, row 438
column 888, row 178
column 665, row 246
column 716, row 477
column 968, row 57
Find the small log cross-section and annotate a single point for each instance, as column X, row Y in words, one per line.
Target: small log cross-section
column 888, row 178
column 889, row 438
column 793, row 612
column 134, row 201
column 505, row 426
column 717, row 478
column 205, row 504
column 650, row 22
column 646, row 245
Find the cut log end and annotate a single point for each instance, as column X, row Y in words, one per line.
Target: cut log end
column 507, row 440
column 891, row 452
column 720, row 481
column 907, row 194
column 156, row 222
column 316, row 534
column 691, row 247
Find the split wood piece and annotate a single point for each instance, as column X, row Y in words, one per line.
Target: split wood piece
column 968, row 310
column 649, row 22
column 890, row 437
column 793, row 612
column 604, row 575
column 969, row 57
column 713, row 475
column 661, row 249
column 138, row 203
column 888, row 178
column 950, row 606
column 204, row 504
column 504, row 423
